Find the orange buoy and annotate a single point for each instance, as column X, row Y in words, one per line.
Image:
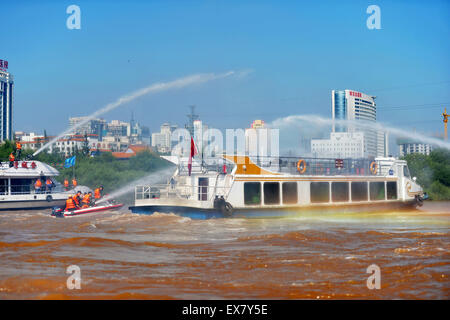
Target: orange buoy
column 373, row 167
column 301, row 166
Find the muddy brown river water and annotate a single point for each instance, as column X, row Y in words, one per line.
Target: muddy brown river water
column 312, row 255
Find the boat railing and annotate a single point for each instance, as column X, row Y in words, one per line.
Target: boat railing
column 321, row 166
column 218, row 166
column 29, row 189
column 180, row 192
column 293, row 165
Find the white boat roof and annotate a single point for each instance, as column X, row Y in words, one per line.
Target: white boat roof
column 41, row 169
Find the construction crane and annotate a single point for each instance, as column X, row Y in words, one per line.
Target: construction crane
column 445, row 115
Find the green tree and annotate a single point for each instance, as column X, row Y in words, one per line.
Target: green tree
column 432, row 172
column 5, row 150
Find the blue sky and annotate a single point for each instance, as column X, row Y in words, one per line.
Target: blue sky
column 298, row 50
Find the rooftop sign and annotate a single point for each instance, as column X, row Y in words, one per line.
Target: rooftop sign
column 355, row 94
column 3, row 65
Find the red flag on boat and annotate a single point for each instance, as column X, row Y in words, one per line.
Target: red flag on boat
column 193, row 153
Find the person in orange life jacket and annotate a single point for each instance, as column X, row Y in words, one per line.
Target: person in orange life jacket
column 38, row 185
column 74, row 182
column 18, row 149
column 76, row 199
column 70, row 204
column 98, row 192
column 11, row 160
column 49, row 185
column 87, row 200
column 66, row 184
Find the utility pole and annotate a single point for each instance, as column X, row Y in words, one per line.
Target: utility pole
column 445, row 115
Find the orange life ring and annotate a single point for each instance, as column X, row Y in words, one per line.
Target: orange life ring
column 299, row 166
column 373, row 167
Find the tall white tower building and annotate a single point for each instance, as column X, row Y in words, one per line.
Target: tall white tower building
column 6, row 102
column 354, row 105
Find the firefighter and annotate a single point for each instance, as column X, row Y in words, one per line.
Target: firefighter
column 70, row 204
column 98, row 192
column 18, row 149
column 38, row 185
column 86, row 200
column 11, row 160
column 76, row 199
column 49, row 185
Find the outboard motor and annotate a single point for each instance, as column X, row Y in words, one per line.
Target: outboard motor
column 57, row 212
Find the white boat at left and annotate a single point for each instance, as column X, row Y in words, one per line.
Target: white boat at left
column 17, row 186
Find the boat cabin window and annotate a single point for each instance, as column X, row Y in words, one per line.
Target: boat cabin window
column 406, row 172
column 290, row 194
column 320, row 192
column 339, row 191
column 252, row 193
column 359, row 191
column 391, row 190
column 3, row 186
column 21, row 186
column 271, row 193
column 377, row 191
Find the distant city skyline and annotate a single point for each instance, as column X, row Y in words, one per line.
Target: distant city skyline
column 297, row 53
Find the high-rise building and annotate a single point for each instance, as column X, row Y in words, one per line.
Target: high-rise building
column 93, row 126
column 407, row 146
column 340, row 145
column 117, row 128
column 261, row 142
column 200, row 135
column 354, row 105
column 6, row 102
column 162, row 140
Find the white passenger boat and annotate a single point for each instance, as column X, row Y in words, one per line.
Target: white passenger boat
column 17, row 191
column 271, row 187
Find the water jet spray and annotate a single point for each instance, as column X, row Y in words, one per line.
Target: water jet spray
column 295, row 120
column 154, row 88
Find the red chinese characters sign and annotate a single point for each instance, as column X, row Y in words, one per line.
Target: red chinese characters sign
column 3, row 65
column 355, row 94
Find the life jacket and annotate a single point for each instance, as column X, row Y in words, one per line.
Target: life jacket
column 11, row 157
column 74, row 182
column 18, row 146
column 48, row 182
column 76, row 199
column 97, row 193
column 70, row 204
column 38, row 183
column 66, row 183
column 86, row 199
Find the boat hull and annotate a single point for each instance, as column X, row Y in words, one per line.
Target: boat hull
column 198, row 213
column 30, row 204
column 90, row 210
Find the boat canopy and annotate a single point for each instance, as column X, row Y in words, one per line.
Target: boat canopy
column 27, row 169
